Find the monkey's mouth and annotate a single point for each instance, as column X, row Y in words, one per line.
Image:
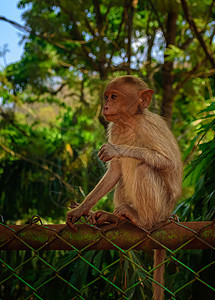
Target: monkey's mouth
column 109, row 115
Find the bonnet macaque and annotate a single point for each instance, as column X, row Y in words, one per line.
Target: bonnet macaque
column 144, row 163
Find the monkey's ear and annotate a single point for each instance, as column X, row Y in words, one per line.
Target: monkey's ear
column 145, row 98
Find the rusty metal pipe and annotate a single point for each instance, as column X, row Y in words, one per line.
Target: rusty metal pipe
column 193, row 235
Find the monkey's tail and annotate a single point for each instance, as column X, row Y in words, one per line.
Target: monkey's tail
column 159, row 257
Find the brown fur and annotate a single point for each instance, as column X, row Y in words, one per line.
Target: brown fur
column 159, row 257
column 152, row 186
column 145, row 164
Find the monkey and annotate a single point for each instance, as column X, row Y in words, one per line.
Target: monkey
column 144, row 164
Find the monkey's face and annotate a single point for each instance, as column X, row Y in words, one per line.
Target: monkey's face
column 120, row 102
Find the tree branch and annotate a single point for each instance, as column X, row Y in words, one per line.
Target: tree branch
column 98, row 15
column 79, row 35
column 91, row 29
column 105, row 22
column 54, row 93
column 47, row 38
column 121, row 67
column 129, row 12
column 42, row 36
column 158, row 18
column 118, row 34
column 198, row 35
column 209, row 13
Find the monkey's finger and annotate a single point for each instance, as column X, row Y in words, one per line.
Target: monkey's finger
column 105, row 157
column 119, row 208
column 105, row 218
column 98, row 214
column 102, row 157
column 103, row 146
column 101, row 151
column 116, row 210
column 99, row 155
column 72, row 219
column 92, row 219
column 73, row 227
column 121, row 215
column 101, row 220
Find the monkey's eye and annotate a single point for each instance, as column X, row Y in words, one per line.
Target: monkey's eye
column 105, row 97
column 113, row 97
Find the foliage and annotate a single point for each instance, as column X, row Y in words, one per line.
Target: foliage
column 200, row 172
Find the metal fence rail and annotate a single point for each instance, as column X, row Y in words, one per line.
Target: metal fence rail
column 63, row 269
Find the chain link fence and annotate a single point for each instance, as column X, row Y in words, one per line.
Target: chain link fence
column 103, row 262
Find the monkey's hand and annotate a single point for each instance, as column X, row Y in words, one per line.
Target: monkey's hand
column 109, row 151
column 74, row 215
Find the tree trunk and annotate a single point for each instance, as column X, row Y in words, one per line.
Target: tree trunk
column 168, row 77
column 129, row 13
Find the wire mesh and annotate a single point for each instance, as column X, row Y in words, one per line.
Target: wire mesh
column 96, row 263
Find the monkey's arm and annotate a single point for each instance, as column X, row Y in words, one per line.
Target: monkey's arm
column 151, row 157
column 105, row 185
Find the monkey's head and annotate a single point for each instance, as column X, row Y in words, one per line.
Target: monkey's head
column 125, row 97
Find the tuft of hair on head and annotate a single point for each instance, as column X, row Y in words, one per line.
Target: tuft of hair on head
column 132, row 80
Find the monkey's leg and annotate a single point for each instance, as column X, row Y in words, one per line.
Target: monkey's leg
column 123, row 209
column 150, row 196
column 101, row 217
column 119, row 194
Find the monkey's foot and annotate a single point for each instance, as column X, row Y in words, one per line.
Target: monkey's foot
column 101, row 217
column 125, row 211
